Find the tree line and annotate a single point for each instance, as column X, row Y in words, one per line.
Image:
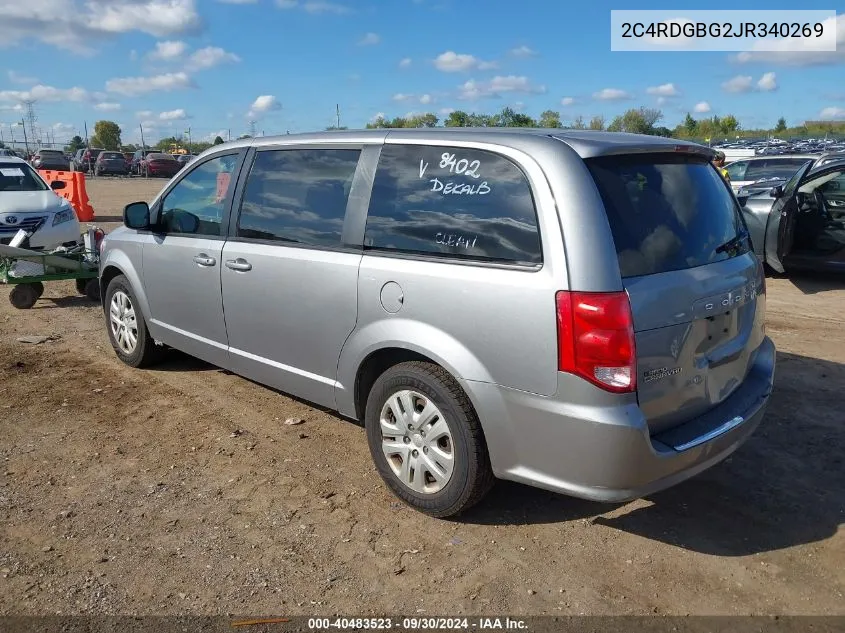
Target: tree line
column 640, row 120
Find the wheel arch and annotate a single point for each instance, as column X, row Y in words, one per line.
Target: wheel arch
column 118, row 264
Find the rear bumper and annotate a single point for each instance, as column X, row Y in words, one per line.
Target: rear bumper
column 585, row 443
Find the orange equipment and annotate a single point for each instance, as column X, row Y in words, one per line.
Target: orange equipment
column 74, row 191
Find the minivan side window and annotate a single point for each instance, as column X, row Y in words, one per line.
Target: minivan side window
column 452, row 202
column 196, row 203
column 298, row 196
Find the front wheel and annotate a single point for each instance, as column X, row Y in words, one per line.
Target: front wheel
column 426, row 440
column 127, row 329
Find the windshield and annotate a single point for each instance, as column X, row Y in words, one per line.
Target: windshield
column 666, row 212
column 19, row 177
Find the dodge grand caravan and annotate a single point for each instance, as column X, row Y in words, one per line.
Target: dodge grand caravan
column 572, row 310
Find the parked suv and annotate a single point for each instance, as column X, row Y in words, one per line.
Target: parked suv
column 110, row 163
column 572, row 310
column 50, row 159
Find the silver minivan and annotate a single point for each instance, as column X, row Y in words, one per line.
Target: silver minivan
column 579, row 311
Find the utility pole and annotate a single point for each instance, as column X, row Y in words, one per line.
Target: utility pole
column 25, row 141
column 337, row 115
column 229, row 134
column 87, row 143
column 252, row 128
column 189, row 140
column 32, row 118
column 143, row 144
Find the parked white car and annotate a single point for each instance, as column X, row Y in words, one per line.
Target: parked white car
column 27, row 202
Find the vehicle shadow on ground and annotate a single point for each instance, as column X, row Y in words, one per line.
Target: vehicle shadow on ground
column 108, row 218
column 784, row 487
column 49, row 303
column 816, row 283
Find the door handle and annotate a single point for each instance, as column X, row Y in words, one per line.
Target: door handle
column 204, row 260
column 239, row 264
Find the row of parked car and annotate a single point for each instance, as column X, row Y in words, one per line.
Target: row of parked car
column 101, row 162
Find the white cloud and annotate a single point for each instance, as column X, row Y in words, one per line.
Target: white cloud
column 314, row 6
column 702, row 107
column 78, row 25
column 376, row 117
column 472, row 89
column 237, row 2
column 401, row 96
column 405, row 62
column 135, row 86
column 209, row 57
column 612, row 94
column 661, row 100
column 445, row 111
column 452, row 62
column 107, row 106
column 745, row 83
column 133, row 55
column 426, row 99
column 173, row 115
column 810, row 53
column 370, row 39
column 264, row 104
column 663, row 90
column 567, row 101
column 167, row 51
column 523, row 51
column 832, row 113
column 740, row 83
column 768, row 82
column 144, row 114
column 45, row 94
column 224, row 134
column 16, row 78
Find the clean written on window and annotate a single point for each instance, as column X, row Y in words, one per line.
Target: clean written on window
column 298, row 196
column 452, row 202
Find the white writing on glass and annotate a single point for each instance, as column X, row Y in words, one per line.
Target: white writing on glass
column 459, row 188
column 450, row 239
column 459, row 166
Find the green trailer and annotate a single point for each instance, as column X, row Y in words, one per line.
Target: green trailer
column 27, row 271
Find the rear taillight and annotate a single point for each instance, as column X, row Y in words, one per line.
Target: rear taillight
column 596, row 338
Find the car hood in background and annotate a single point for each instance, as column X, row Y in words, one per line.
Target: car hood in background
column 30, row 201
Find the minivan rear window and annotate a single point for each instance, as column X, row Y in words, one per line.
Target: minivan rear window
column 667, row 212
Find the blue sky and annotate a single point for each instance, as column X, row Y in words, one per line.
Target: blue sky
column 214, row 65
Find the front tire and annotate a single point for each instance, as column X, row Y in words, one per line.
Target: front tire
column 426, row 440
column 127, row 329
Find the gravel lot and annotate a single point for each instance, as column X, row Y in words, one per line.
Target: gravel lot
column 180, row 490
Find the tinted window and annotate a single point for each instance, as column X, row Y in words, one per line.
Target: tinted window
column 774, row 168
column 667, row 213
column 196, row 204
column 452, row 202
column 298, row 196
column 19, row 177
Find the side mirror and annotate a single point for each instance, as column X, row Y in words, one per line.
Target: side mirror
column 776, row 192
column 56, row 185
column 136, row 215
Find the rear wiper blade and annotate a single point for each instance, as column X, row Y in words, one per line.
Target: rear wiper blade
column 733, row 243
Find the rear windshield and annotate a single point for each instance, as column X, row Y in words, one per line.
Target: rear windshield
column 667, row 212
column 160, row 157
column 50, row 152
column 106, row 155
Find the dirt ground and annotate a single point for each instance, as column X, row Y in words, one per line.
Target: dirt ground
column 180, row 490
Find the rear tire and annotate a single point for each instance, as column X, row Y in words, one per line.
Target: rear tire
column 446, row 472
column 92, row 290
column 80, row 285
column 126, row 327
